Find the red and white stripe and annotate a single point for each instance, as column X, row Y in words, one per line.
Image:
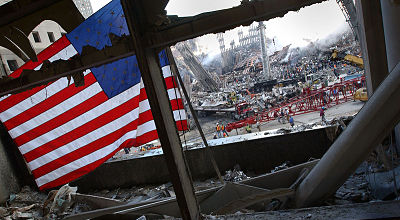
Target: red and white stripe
column 65, row 131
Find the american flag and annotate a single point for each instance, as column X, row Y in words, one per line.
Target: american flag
column 64, row 131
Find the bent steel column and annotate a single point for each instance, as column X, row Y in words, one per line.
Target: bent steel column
column 374, row 121
column 264, row 53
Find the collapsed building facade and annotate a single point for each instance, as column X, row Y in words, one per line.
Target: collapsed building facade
column 304, row 187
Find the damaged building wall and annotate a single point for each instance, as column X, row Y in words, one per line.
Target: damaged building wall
column 13, row 172
column 8, row 179
column 43, row 32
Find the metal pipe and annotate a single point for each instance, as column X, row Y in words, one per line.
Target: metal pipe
column 374, row 121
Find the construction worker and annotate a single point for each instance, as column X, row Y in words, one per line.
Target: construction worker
column 322, row 114
column 283, row 116
column 287, row 114
column 127, row 150
column 276, row 115
column 218, row 128
column 248, row 128
column 258, row 126
column 291, row 121
column 223, row 130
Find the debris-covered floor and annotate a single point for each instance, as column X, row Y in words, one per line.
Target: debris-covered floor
column 31, row 204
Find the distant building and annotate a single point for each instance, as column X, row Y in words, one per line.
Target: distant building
column 41, row 37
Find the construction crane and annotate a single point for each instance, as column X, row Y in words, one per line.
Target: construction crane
column 349, row 11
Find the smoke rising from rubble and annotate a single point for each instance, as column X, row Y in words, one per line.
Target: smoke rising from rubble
column 212, row 61
column 297, row 28
column 210, row 58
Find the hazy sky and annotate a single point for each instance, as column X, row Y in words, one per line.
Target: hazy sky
column 296, row 28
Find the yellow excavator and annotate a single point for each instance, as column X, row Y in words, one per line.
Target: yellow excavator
column 354, row 60
column 361, row 94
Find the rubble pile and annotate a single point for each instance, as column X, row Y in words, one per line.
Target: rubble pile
column 354, row 190
column 281, row 167
column 57, row 204
column 295, row 71
column 303, row 127
column 235, row 175
column 31, row 204
column 137, row 194
column 25, row 204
